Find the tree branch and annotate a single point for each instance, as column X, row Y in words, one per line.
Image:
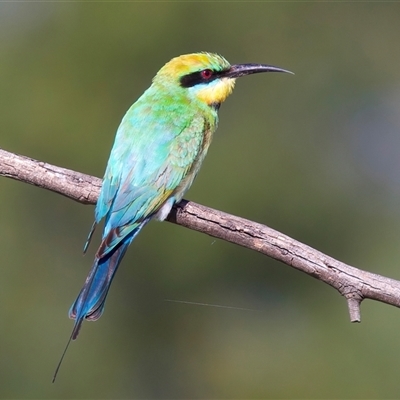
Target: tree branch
column 352, row 283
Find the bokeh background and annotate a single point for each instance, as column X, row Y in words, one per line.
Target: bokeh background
column 315, row 155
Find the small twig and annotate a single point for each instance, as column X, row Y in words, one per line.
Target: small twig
column 352, row 283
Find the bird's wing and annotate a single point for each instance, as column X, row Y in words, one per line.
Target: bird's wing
column 146, row 166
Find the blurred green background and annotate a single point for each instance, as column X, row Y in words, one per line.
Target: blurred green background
column 315, row 155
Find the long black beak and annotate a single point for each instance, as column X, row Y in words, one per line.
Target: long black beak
column 238, row 70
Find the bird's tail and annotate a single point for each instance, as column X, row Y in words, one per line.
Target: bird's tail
column 90, row 301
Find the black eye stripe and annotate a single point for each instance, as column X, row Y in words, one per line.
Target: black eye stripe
column 196, row 78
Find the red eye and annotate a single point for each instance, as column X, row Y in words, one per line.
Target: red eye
column 206, row 74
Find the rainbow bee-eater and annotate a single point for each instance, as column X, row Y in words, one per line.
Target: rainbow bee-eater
column 158, row 150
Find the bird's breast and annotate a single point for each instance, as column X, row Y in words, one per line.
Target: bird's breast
column 199, row 145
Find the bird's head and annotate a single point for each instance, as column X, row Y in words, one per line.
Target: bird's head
column 207, row 76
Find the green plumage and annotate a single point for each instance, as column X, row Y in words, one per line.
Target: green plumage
column 158, row 150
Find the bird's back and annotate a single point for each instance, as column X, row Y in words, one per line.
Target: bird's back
column 159, row 147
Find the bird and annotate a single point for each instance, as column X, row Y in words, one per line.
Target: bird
column 158, row 150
